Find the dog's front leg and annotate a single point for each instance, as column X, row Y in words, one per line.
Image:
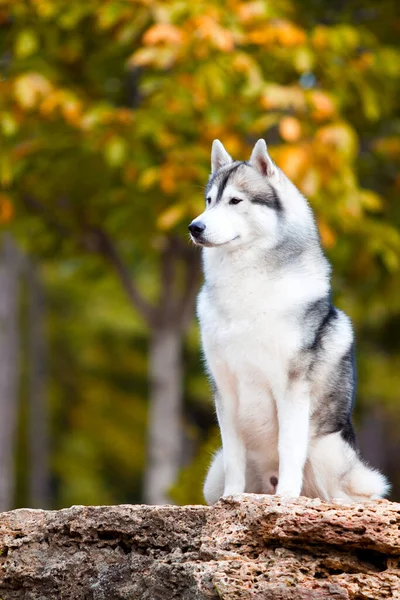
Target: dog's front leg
column 233, row 447
column 293, row 421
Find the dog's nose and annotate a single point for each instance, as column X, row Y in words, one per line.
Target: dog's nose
column 196, row 228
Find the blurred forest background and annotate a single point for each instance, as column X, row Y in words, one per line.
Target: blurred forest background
column 108, row 109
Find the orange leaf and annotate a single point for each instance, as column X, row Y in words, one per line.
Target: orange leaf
column 249, row 11
column 163, row 33
column 328, row 236
column 282, row 33
column 320, row 37
column 293, row 160
column 323, row 105
column 290, row 35
column 339, row 136
column 261, row 37
column 290, row 129
column 283, row 97
column 72, row 111
column 208, row 29
column 6, row 209
column 169, row 178
column 170, row 217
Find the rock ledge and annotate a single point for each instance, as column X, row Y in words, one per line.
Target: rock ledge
column 242, row 548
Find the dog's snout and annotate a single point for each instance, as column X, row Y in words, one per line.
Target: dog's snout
column 196, row 228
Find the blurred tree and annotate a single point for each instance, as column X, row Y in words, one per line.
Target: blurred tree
column 10, row 264
column 38, row 409
column 108, row 110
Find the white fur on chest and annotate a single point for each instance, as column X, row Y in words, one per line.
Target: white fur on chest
column 250, row 319
column 251, row 330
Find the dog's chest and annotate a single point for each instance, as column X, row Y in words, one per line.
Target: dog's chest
column 253, row 325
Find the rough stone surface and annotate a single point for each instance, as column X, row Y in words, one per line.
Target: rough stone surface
column 242, row 548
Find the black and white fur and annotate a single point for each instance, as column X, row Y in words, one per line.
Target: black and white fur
column 279, row 353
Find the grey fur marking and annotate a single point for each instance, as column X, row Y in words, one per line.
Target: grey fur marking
column 270, row 199
column 221, row 178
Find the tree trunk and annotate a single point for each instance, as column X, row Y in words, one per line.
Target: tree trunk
column 165, row 427
column 9, row 270
column 37, row 406
column 167, row 320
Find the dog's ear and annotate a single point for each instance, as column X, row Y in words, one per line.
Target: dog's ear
column 261, row 160
column 219, row 156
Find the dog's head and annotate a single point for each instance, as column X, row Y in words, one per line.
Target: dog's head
column 244, row 200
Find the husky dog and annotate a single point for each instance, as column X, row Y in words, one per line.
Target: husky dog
column 280, row 355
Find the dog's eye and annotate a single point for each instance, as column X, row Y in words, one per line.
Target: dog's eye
column 235, row 201
column 208, row 200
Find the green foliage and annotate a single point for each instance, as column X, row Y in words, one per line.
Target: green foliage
column 107, row 113
column 188, row 488
column 99, row 387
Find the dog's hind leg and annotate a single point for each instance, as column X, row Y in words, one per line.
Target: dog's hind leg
column 336, row 471
column 214, row 483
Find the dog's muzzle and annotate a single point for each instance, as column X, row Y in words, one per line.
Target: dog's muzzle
column 196, row 229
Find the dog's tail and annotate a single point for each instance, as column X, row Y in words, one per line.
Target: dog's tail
column 214, row 484
column 363, row 482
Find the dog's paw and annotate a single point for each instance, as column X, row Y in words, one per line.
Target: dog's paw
column 235, row 497
column 287, row 493
column 339, row 500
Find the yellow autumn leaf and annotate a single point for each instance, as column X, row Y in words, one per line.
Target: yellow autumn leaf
column 158, row 56
column 8, row 123
column 339, row 136
column 391, row 259
column 26, row 43
column 310, row 183
column 45, row 8
column 6, row 170
column 170, row 217
column 115, row 151
column 149, row 177
column 370, row 200
column 30, row 88
column 283, row 97
column 303, row 59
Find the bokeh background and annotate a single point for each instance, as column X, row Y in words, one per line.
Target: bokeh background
column 107, row 113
